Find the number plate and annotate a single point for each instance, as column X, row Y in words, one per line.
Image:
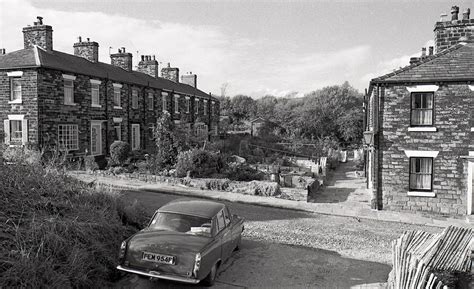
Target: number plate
column 158, row 258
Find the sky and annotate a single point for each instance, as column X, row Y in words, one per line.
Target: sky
column 255, row 48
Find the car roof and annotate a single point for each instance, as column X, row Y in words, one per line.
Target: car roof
column 194, row 207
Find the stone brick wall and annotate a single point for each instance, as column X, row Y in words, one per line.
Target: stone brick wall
column 88, row 50
column 453, row 104
column 29, row 105
column 170, row 73
column 448, row 33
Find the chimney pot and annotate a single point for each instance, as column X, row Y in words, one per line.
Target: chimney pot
column 40, row 20
column 154, row 57
column 2, row 51
column 88, row 39
column 123, row 49
column 423, row 51
column 143, row 57
column 454, row 12
column 430, row 50
column 169, row 64
column 79, row 39
column 466, row 14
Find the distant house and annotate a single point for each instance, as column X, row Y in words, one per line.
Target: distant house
column 422, row 121
column 75, row 102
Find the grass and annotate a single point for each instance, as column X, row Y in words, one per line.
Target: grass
column 57, row 232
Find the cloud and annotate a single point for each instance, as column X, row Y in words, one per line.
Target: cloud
column 251, row 66
column 389, row 65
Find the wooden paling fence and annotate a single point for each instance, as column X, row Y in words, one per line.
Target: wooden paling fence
column 418, row 257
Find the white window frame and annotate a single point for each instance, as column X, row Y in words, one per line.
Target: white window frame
column 176, row 103
column 118, row 123
column 196, row 106
column 188, row 104
column 135, row 141
column 423, row 88
column 213, row 109
column 95, row 93
column 151, row 101
column 75, row 136
column 99, row 143
column 164, row 101
column 117, row 96
column 421, row 154
column 24, row 129
column 15, row 75
column 69, row 89
column 205, row 107
column 134, row 99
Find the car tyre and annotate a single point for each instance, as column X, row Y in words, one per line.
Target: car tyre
column 211, row 277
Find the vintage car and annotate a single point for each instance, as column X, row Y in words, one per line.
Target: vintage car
column 186, row 241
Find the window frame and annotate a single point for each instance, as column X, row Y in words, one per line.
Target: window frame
column 164, row 101
column 118, row 133
column 196, row 106
column 135, row 99
column 75, row 132
column 135, row 143
column 95, row 93
column 12, row 90
column 412, row 95
column 176, row 103
column 188, row 104
column 151, row 101
column 205, row 107
column 430, row 190
column 68, row 99
column 117, row 96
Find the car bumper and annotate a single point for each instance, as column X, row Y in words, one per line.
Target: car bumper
column 155, row 274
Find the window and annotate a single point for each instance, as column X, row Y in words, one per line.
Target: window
column 422, row 108
column 150, row 101
column 213, row 110
column 95, row 102
column 15, row 88
column 196, row 104
column 16, row 130
column 176, row 103
column 188, row 104
column 68, row 137
column 421, row 174
column 205, row 107
column 96, row 137
column 135, row 136
column 117, row 96
column 151, row 130
column 118, row 131
column 220, row 221
column 201, row 129
column 226, row 217
column 164, row 95
column 134, row 99
column 69, row 89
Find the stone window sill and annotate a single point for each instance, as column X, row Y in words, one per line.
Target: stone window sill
column 96, row 105
column 117, row 107
column 421, row 194
column 18, row 101
column 71, row 104
column 422, row 128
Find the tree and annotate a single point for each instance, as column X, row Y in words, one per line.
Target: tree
column 242, row 107
column 166, row 141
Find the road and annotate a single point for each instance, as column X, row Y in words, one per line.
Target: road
column 291, row 249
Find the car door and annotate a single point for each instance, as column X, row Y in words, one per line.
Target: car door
column 226, row 233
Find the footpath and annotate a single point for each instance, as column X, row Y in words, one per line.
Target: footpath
column 344, row 195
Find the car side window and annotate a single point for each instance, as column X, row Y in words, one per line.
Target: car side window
column 220, row 221
column 226, row 216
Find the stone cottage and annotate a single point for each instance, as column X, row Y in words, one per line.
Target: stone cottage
column 421, row 121
column 78, row 104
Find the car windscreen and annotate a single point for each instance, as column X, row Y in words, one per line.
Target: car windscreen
column 181, row 223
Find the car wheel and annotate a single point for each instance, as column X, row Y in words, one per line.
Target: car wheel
column 211, row 277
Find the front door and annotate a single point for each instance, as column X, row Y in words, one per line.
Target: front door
column 96, row 138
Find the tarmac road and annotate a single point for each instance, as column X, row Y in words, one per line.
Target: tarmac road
column 290, row 249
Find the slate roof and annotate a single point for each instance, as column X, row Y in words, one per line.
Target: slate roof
column 38, row 57
column 453, row 64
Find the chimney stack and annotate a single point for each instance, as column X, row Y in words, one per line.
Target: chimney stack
column 448, row 33
column 189, row 79
column 423, row 52
column 454, row 12
column 430, row 50
column 148, row 66
column 122, row 59
column 39, row 34
column 88, row 50
column 170, row 73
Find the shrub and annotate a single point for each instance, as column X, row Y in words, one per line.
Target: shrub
column 60, row 233
column 259, row 188
column 119, row 152
column 243, row 172
column 22, row 155
column 199, row 162
column 90, row 163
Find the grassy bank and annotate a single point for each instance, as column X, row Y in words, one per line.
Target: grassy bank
column 57, row 232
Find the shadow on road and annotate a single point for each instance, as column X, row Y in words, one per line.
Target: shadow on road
column 260, row 264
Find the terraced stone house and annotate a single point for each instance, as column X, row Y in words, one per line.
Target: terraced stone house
column 421, row 119
column 75, row 102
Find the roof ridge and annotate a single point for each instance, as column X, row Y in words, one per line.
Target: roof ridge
column 422, row 61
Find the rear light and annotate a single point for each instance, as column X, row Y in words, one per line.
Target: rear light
column 123, row 248
column 197, row 264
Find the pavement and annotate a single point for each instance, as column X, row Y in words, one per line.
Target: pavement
column 343, row 195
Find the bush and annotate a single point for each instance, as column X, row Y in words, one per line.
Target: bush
column 22, row 155
column 245, row 173
column 119, row 152
column 259, row 188
column 199, row 162
column 93, row 163
column 60, row 233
